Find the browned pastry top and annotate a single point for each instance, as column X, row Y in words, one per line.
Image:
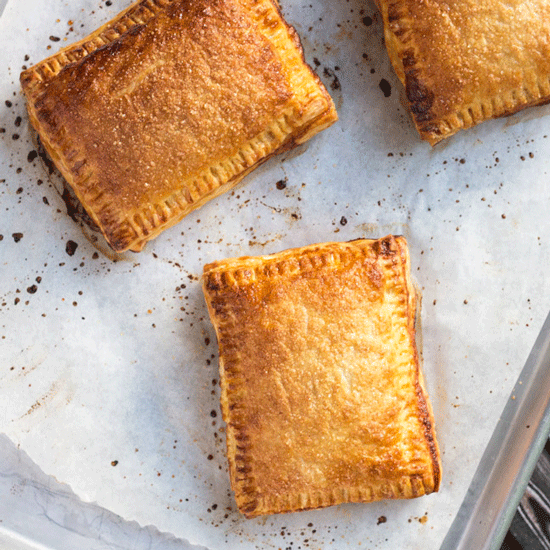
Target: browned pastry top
column 321, row 387
column 170, row 104
column 163, row 116
column 465, row 61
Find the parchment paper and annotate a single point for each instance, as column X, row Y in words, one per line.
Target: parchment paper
column 108, row 366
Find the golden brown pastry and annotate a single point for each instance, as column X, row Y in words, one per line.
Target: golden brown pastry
column 466, row 61
column 321, row 386
column 169, row 105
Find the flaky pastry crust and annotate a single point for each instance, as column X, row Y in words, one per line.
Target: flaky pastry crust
column 170, row 104
column 465, row 61
column 321, row 386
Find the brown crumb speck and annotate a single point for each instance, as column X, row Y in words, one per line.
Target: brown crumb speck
column 385, row 86
column 70, row 247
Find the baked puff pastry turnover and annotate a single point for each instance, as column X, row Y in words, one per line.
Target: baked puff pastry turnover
column 321, row 387
column 169, row 105
column 465, row 61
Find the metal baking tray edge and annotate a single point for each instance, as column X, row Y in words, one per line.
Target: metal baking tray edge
column 509, row 458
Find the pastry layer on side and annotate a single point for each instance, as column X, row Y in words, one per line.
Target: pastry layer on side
column 320, row 377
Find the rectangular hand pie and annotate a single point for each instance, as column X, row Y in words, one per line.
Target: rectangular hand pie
column 466, row 61
column 169, row 105
column 321, row 385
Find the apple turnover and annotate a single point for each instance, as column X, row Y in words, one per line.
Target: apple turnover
column 321, row 387
column 170, row 104
column 465, row 61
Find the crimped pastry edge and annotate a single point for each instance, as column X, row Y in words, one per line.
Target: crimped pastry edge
column 399, row 38
column 237, row 272
column 297, row 124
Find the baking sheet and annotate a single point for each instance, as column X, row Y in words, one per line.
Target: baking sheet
column 109, row 363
